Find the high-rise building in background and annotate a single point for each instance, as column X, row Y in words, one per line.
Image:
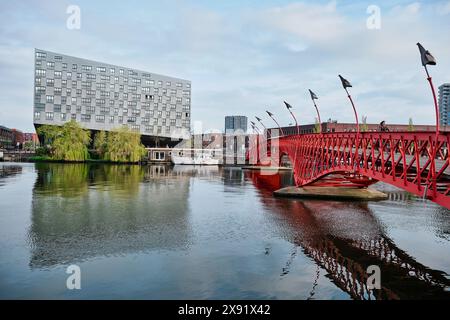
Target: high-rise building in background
column 102, row 96
column 234, row 123
column 444, row 104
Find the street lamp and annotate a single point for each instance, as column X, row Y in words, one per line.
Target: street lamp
column 346, row 84
column 289, row 107
column 260, row 121
column 314, row 98
column 428, row 59
column 273, row 118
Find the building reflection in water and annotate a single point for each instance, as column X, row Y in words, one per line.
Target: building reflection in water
column 81, row 211
column 8, row 171
column 344, row 238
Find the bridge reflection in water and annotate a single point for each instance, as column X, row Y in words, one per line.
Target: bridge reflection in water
column 344, row 238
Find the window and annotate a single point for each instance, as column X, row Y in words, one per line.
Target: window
column 85, row 117
column 49, row 116
column 188, row 85
column 179, row 85
column 100, row 118
column 101, row 69
column 63, row 117
column 73, row 116
column 172, row 122
column 121, row 71
column 146, row 89
column 57, row 108
column 40, row 90
column 112, row 70
column 58, row 74
column 50, row 82
column 69, row 75
column 135, row 127
column 57, row 91
column 74, row 66
column 64, row 65
column 160, row 83
column 63, row 83
column 104, row 109
column 41, row 55
column 74, row 100
column 37, row 115
column 49, row 99
column 186, row 92
column 85, row 101
column 68, row 91
column 40, row 106
column 50, row 64
column 38, row 81
column 58, row 58
column 116, row 79
column 90, row 109
column 168, row 83
column 90, row 76
column 79, row 76
column 40, row 73
column 86, row 68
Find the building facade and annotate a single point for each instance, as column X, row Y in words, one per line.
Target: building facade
column 235, row 123
column 102, row 96
column 351, row 127
column 444, row 104
column 6, row 138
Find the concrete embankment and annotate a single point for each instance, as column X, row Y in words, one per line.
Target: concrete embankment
column 332, row 193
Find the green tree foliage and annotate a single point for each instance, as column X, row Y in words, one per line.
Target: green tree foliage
column 123, row 145
column 68, row 142
column 100, row 144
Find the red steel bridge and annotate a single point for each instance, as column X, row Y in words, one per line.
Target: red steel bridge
column 417, row 162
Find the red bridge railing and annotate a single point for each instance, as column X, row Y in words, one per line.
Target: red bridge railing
column 417, row 162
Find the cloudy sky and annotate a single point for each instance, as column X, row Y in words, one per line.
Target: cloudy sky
column 243, row 57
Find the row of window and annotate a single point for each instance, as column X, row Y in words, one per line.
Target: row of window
column 125, row 111
column 102, row 118
column 88, row 68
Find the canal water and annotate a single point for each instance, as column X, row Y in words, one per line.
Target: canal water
column 157, row 232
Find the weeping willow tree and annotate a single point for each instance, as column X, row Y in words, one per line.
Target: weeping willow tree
column 100, row 144
column 68, row 142
column 123, row 145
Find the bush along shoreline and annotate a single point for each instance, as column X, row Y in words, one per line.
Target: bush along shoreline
column 72, row 144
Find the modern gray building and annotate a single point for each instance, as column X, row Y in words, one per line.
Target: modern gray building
column 102, row 96
column 234, row 123
column 444, row 104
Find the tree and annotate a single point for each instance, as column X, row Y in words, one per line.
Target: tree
column 68, row 142
column 100, row 143
column 123, row 145
column 410, row 125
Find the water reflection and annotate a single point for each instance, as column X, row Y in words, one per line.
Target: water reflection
column 8, row 171
column 344, row 238
column 127, row 209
